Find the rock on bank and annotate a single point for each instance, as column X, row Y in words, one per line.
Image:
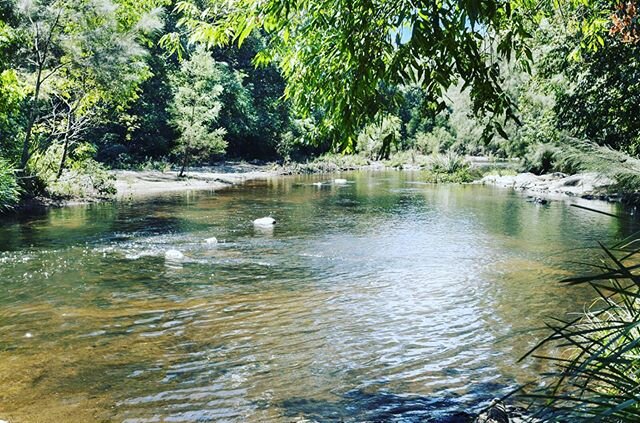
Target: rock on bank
column 585, row 185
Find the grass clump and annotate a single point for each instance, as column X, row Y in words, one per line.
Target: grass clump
column 449, row 167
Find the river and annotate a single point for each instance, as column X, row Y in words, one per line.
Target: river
column 382, row 299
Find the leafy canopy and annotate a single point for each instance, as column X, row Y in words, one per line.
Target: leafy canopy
column 339, row 56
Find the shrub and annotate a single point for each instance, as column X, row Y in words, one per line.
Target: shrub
column 448, row 163
column 301, row 134
column 376, row 140
column 83, row 177
column 9, row 188
column 540, row 159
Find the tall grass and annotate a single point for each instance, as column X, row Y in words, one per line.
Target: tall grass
column 449, row 162
column 596, row 374
column 448, row 167
column 9, row 188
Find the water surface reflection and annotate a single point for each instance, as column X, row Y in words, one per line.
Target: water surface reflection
column 381, row 299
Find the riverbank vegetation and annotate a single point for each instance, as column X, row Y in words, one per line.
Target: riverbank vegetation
column 98, row 84
column 595, row 372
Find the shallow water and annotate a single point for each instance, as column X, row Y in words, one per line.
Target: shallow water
column 382, row 299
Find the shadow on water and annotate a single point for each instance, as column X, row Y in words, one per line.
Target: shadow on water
column 383, row 406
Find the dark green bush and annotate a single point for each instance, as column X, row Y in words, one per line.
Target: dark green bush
column 9, row 188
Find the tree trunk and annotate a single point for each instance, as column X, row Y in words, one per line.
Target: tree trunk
column 185, row 159
column 33, row 115
column 65, row 148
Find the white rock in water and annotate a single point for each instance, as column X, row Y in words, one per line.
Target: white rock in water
column 264, row 222
column 26, row 335
column 318, row 184
column 211, row 241
column 340, row 181
column 173, row 255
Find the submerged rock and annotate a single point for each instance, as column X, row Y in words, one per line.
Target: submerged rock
column 173, row 255
column 496, row 413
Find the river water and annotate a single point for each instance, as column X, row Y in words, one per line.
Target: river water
column 383, row 299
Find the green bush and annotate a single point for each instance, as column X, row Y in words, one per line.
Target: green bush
column 448, row 163
column 83, row 177
column 378, row 140
column 407, row 157
column 292, row 144
column 540, row 159
column 331, row 163
column 9, row 188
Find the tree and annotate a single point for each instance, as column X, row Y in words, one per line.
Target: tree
column 12, row 90
column 77, row 52
column 254, row 114
column 44, row 30
column 196, row 107
column 106, row 65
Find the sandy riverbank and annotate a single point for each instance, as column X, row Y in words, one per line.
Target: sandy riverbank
column 135, row 183
column 146, row 183
column 154, row 182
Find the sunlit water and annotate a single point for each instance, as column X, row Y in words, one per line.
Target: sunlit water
column 384, row 299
